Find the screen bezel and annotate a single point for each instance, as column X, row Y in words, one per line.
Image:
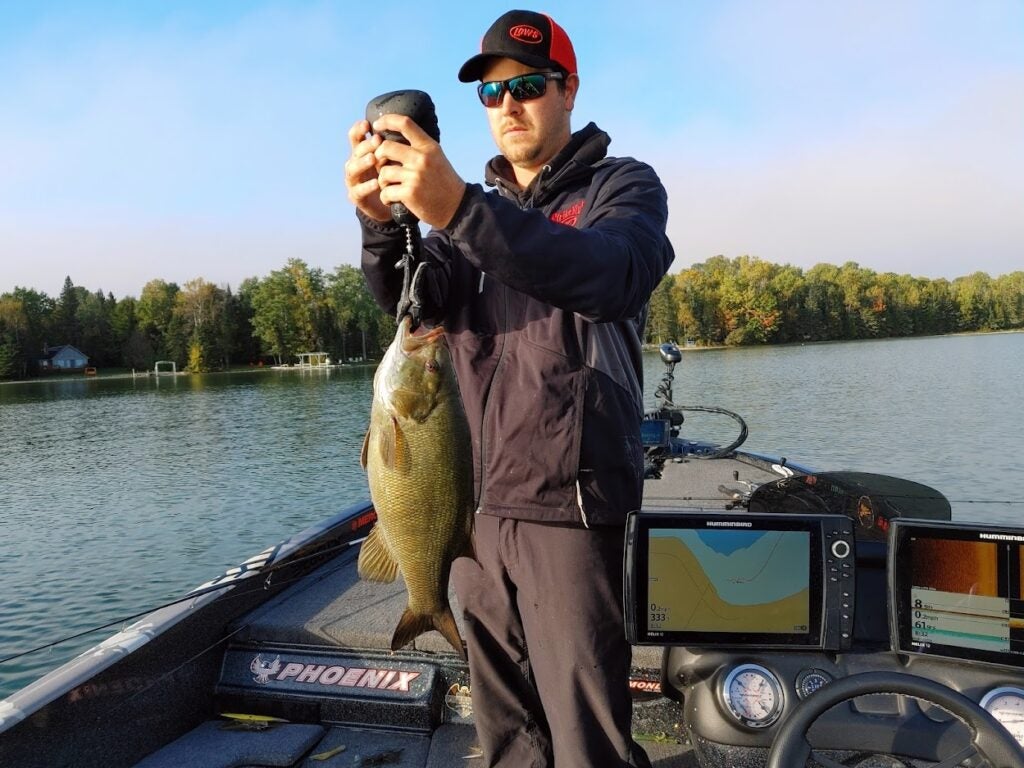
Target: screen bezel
column 655, row 433
column 636, row 587
column 900, row 583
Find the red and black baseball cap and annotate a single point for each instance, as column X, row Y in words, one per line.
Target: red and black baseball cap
column 528, row 37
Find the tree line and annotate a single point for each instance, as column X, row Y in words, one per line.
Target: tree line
column 295, row 309
column 200, row 326
column 746, row 300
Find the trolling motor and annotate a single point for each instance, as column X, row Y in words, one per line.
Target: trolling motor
column 660, row 427
column 659, row 430
column 670, row 356
column 418, row 106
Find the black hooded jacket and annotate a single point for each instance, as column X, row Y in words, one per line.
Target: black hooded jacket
column 543, row 296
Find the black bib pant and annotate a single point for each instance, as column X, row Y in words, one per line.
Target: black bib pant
column 548, row 658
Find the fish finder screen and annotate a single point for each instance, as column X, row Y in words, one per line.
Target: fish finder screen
column 655, row 433
column 728, row 580
column 959, row 592
column 738, row 579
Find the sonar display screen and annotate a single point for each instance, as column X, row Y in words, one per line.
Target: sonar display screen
column 961, row 593
column 729, row 581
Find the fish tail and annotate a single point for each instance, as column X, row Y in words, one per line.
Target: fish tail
column 412, row 625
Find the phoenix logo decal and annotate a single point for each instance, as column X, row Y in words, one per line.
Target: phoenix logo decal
column 262, row 670
column 398, row 680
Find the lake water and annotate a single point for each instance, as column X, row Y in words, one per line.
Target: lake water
column 118, row 495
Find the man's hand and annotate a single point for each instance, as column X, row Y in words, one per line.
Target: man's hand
column 417, row 174
column 361, row 171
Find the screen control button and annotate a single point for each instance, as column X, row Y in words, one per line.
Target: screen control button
column 841, row 549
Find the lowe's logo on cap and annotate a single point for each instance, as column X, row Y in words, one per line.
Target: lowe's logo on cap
column 531, row 38
column 524, row 33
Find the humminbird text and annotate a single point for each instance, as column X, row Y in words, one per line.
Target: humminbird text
column 1000, row 537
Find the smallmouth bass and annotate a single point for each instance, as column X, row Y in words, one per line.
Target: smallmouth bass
column 420, row 471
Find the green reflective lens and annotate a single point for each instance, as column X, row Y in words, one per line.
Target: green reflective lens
column 522, row 87
column 527, row 87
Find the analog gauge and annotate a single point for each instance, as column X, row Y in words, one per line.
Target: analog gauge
column 752, row 695
column 1007, row 706
column 810, row 680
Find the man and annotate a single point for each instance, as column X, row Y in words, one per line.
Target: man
column 542, row 286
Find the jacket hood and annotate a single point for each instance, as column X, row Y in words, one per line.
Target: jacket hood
column 586, row 146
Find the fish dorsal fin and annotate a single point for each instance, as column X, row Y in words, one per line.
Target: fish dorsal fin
column 394, row 453
column 375, row 561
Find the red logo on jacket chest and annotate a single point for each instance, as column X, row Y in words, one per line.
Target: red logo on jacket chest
column 569, row 215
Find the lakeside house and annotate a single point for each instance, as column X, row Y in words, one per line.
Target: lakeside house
column 62, row 358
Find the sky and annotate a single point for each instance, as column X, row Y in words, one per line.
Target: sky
column 186, row 139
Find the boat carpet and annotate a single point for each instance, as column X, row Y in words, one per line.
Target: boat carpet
column 224, row 744
column 698, row 484
column 288, row 745
column 312, row 746
column 333, row 607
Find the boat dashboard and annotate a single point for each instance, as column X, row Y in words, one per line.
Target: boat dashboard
column 841, row 616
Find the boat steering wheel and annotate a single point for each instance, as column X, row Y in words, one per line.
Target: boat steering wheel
column 990, row 742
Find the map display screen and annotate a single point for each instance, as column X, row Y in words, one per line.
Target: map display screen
column 729, row 580
column 958, row 591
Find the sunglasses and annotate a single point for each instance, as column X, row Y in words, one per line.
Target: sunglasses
column 522, row 87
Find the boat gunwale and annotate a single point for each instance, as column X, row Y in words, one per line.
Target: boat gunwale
column 62, row 680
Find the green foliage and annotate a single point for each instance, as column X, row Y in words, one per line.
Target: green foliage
column 285, row 306
column 196, row 360
column 295, row 309
column 203, row 323
column 749, row 301
column 354, row 312
column 662, row 320
column 8, row 360
column 155, row 316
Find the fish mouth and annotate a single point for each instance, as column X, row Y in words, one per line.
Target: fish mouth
column 411, row 341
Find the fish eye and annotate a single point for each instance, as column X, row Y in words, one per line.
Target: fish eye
column 432, row 366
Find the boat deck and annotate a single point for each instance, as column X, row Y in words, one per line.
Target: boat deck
column 332, row 619
column 306, row 651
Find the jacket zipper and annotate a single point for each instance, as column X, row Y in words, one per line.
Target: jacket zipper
column 501, row 355
column 497, row 367
column 487, row 405
column 579, row 500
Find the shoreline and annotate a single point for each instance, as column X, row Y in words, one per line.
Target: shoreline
column 150, row 375
column 708, row 347
column 645, row 347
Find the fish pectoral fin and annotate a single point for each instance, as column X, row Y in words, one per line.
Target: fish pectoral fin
column 375, row 560
column 412, row 625
column 394, row 453
column 366, row 449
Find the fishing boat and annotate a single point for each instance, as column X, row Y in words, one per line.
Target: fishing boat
column 774, row 609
